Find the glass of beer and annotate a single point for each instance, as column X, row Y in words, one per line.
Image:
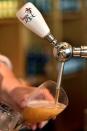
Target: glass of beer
column 40, row 107
column 41, row 104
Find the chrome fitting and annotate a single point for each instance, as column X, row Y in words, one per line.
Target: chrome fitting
column 80, row 51
column 63, row 51
column 52, row 39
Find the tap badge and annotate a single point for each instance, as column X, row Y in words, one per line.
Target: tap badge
column 28, row 16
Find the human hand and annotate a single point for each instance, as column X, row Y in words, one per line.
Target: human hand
column 16, row 93
column 24, row 95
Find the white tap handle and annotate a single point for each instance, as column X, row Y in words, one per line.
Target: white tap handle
column 33, row 20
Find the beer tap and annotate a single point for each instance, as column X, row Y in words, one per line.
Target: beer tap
column 30, row 16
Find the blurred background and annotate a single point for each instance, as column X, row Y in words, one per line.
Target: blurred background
column 33, row 59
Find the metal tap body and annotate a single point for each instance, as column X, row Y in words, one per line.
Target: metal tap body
column 63, row 51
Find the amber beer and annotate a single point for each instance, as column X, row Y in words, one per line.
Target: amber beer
column 37, row 111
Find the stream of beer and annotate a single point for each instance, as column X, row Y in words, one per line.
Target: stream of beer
column 60, row 71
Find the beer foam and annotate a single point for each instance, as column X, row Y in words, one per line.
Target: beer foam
column 39, row 103
column 44, row 103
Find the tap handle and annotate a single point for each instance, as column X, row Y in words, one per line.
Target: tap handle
column 30, row 16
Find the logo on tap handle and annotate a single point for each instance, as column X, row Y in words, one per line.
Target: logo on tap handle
column 28, row 15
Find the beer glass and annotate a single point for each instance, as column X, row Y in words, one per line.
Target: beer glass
column 40, row 106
